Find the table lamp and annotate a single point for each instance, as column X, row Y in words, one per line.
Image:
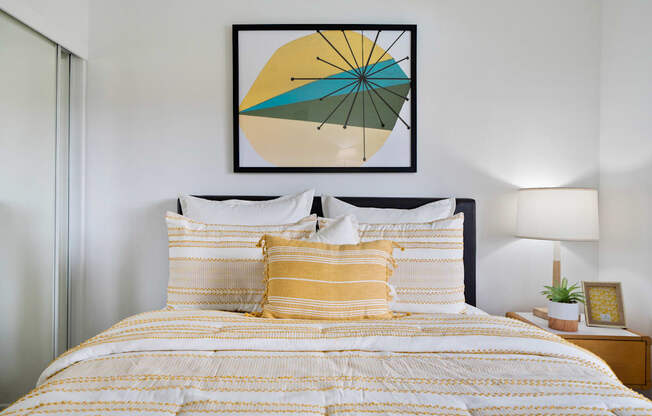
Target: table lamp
column 557, row 214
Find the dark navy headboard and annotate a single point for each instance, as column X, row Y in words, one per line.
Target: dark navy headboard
column 465, row 205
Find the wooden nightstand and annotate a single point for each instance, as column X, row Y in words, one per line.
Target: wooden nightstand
column 626, row 352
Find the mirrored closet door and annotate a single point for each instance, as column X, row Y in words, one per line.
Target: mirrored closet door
column 34, row 204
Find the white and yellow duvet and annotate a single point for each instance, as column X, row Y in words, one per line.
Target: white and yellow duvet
column 210, row 362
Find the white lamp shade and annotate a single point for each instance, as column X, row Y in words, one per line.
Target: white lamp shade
column 569, row 214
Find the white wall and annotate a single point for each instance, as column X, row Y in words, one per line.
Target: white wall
column 63, row 21
column 508, row 97
column 626, row 156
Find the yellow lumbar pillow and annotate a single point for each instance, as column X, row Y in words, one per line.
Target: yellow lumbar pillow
column 310, row 280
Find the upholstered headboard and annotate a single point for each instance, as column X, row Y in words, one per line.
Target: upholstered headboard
column 465, row 205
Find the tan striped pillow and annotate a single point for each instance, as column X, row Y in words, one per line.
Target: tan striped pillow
column 215, row 266
column 430, row 272
column 307, row 280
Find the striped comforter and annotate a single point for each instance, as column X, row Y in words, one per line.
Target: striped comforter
column 210, row 362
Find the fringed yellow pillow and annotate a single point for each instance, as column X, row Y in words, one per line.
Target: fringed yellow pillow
column 307, row 280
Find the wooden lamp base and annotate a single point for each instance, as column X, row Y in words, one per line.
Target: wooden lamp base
column 556, row 263
column 559, row 310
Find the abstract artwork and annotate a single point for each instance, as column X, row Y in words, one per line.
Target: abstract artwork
column 324, row 98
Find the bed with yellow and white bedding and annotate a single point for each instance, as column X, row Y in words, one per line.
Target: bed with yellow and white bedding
column 193, row 359
column 194, row 362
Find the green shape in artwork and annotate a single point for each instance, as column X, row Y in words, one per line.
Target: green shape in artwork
column 319, row 110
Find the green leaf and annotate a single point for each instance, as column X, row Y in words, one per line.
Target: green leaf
column 564, row 293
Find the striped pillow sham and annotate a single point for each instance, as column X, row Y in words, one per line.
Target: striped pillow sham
column 309, row 280
column 217, row 266
column 430, row 273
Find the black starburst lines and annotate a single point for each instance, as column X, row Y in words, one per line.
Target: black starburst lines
column 362, row 78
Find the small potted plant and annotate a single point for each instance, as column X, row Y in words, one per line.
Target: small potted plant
column 563, row 305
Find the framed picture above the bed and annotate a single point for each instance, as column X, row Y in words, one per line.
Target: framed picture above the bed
column 324, row 98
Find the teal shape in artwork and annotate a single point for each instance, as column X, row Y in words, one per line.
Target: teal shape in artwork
column 322, row 87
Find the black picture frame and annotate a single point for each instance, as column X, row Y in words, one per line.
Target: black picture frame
column 411, row 28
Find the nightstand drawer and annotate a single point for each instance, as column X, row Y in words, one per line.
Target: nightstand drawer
column 626, row 358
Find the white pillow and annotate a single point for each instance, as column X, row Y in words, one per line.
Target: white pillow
column 343, row 230
column 283, row 210
column 334, row 208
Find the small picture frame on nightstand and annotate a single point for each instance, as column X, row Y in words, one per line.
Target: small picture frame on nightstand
column 604, row 304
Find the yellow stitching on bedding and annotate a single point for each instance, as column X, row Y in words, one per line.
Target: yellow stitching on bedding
column 210, row 302
column 328, row 356
column 219, row 236
column 325, row 378
column 377, row 329
column 250, row 408
column 562, row 360
column 629, row 393
column 434, row 302
column 429, row 246
column 220, row 290
column 405, row 260
column 224, row 244
column 130, row 356
column 403, row 321
column 238, row 231
column 420, row 290
column 296, row 406
column 213, row 241
column 483, row 319
column 316, row 379
column 239, row 333
column 416, row 318
column 86, row 403
column 214, row 260
column 577, row 360
column 166, row 335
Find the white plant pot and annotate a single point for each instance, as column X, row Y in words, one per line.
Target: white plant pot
column 564, row 311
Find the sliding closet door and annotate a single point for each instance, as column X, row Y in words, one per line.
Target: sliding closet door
column 28, row 126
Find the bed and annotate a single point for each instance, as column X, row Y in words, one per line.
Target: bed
column 216, row 362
